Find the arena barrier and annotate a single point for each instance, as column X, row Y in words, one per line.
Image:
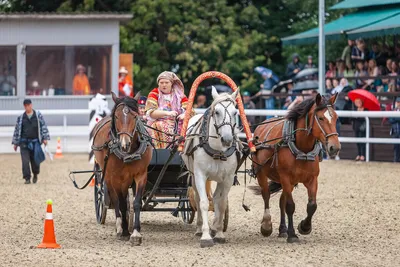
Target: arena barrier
column 249, row 112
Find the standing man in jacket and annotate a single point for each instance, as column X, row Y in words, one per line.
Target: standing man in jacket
column 395, row 131
column 30, row 132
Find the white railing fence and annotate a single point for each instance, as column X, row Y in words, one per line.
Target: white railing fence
column 249, row 112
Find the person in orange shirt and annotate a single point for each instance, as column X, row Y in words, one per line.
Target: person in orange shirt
column 125, row 85
column 80, row 84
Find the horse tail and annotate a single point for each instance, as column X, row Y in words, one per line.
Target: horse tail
column 273, row 188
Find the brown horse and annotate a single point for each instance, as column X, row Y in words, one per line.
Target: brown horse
column 288, row 153
column 124, row 156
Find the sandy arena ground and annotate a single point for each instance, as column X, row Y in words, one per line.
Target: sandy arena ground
column 356, row 224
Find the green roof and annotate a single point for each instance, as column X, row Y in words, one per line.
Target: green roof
column 363, row 3
column 388, row 26
column 334, row 29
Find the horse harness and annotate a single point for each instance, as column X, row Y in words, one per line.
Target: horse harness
column 114, row 145
column 289, row 140
column 204, row 135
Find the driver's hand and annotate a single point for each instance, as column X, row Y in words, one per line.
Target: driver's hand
column 182, row 116
column 15, row 148
column 172, row 113
column 45, row 142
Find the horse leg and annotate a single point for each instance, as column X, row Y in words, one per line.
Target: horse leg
column 290, row 208
column 123, row 208
column 220, row 203
column 115, row 202
column 199, row 222
column 282, row 225
column 305, row 226
column 136, row 237
column 200, row 180
column 266, row 223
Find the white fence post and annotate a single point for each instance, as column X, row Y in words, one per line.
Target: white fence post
column 367, row 128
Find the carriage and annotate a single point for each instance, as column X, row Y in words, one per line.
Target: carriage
column 168, row 180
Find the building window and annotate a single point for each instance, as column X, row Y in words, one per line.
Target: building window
column 68, row 70
column 8, row 70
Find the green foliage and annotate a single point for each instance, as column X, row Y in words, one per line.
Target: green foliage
column 191, row 37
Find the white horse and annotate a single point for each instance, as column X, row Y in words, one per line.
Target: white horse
column 210, row 140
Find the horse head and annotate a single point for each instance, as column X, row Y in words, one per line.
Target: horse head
column 323, row 127
column 223, row 116
column 124, row 118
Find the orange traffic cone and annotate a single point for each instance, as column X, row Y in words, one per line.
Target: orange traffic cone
column 49, row 238
column 58, row 154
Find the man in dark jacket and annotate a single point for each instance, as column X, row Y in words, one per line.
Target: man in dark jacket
column 294, row 67
column 30, row 132
column 395, row 131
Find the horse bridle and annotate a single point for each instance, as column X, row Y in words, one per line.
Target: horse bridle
column 224, row 123
column 320, row 126
column 126, row 110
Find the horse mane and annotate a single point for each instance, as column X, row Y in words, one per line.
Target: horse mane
column 304, row 107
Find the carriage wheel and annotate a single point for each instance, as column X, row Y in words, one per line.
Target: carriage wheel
column 130, row 215
column 100, row 191
column 187, row 211
column 226, row 218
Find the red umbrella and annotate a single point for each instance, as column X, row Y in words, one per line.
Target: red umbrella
column 369, row 100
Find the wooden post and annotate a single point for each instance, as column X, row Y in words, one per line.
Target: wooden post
column 192, row 94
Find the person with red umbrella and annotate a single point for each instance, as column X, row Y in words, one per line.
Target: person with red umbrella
column 395, row 131
column 359, row 128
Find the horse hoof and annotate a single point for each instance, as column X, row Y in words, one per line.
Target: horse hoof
column 293, row 239
column 206, row 243
column 198, row 234
column 302, row 230
column 136, row 240
column 213, row 233
column 284, row 234
column 266, row 232
column 220, row 240
column 123, row 237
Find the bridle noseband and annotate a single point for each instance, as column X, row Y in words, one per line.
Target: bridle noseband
column 126, row 111
column 326, row 136
column 226, row 113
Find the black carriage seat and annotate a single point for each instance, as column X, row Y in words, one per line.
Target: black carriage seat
column 171, row 179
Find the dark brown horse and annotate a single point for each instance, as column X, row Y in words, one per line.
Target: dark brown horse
column 123, row 155
column 292, row 156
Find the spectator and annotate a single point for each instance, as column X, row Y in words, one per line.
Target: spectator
column 376, row 54
column 395, row 131
column 346, row 55
column 7, row 83
column 331, row 73
column 359, row 128
column 248, row 104
column 372, row 72
column 30, row 132
column 341, row 68
column 360, row 72
column 388, row 67
column 349, row 72
column 289, row 99
column 328, row 85
column 294, row 67
column 200, row 101
column 81, row 84
column 336, row 87
column 296, row 101
column 270, row 80
column 359, row 51
column 310, row 63
column 393, row 83
column 125, row 85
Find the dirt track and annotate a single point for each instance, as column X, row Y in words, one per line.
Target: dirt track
column 356, row 224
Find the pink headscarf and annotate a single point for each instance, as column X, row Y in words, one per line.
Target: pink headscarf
column 177, row 91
